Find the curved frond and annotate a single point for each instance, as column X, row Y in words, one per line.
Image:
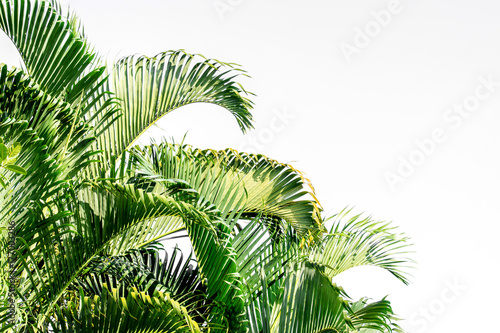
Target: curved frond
column 57, row 249
column 55, row 53
column 363, row 241
column 137, row 312
column 149, row 88
column 373, row 317
column 146, row 232
column 218, row 271
column 236, row 183
column 144, row 270
column 257, row 252
column 309, row 303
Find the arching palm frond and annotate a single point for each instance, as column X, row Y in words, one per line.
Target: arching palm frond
column 363, row 241
column 58, row 249
column 376, row 317
column 146, row 271
column 150, row 88
column 257, row 253
column 53, row 50
column 137, row 312
column 237, row 183
column 88, row 222
column 54, row 147
column 309, row 303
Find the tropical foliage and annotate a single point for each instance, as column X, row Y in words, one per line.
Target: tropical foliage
column 89, row 209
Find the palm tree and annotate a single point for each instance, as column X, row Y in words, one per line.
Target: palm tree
column 88, row 208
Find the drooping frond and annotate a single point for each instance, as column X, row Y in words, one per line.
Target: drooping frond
column 215, row 258
column 309, row 303
column 375, row 317
column 237, row 183
column 86, row 257
column 363, row 241
column 137, row 312
column 257, row 252
column 147, row 271
column 149, row 88
column 54, row 52
column 59, row 248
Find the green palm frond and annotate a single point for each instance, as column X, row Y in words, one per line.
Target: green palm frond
column 53, row 50
column 145, row 270
column 257, row 252
column 57, row 249
column 149, row 88
column 363, row 241
column 89, row 208
column 147, row 231
column 237, row 183
column 259, row 309
column 309, row 303
column 216, row 262
column 57, row 57
column 373, row 317
column 137, row 312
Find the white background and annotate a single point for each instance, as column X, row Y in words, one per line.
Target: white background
column 348, row 120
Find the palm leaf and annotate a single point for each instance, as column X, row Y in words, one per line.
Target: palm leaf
column 257, row 252
column 363, row 241
column 309, row 303
column 215, row 258
column 146, row 271
column 137, row 312
column 373, row 317
column 55, row 53
column 149, row 88
column 61, row 247
column 237, row 183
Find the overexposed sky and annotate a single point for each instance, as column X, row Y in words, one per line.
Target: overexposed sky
column 388, row 106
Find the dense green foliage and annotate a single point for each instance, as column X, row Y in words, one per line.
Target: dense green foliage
column 89, row 208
